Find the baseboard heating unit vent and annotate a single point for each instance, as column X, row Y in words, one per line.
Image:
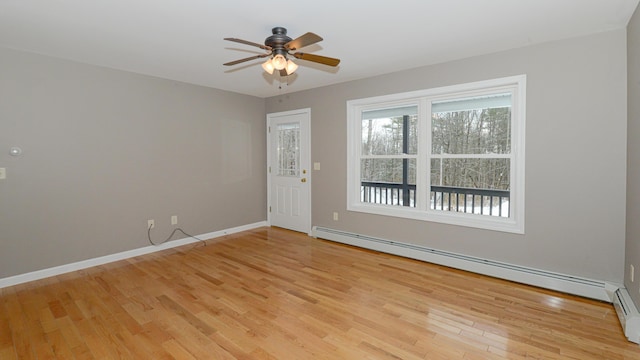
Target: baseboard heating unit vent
column 594, row 289
column 628, row 314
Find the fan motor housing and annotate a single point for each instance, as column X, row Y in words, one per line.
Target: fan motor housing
column 278, row 40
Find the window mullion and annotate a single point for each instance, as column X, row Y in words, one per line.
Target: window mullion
column 423, row 166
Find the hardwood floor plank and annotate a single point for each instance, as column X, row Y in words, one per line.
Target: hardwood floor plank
column 270, row 293
column 40, row 345
column 60, row 347
column 6, row 340
column 94, row 343
column 189, row 317
column 7, row 353
column 176, row 350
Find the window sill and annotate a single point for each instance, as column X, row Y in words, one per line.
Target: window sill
column 484, row 222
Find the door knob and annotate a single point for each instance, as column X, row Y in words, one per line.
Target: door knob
column 303, row 180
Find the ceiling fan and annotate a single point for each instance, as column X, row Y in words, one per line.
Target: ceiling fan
column 279, row 46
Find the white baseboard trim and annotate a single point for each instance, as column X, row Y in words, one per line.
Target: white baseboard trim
column 45, row 273
column 627, row 314
column 590, row 288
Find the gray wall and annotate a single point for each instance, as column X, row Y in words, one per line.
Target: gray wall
column 105, row 150
column 575, row 156
column 633, row 162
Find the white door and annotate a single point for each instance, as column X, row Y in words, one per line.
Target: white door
column 289, row 181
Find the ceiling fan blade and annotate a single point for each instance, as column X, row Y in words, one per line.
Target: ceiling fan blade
column 245, row 59
column 302, row 41
column 249, row 43
column 317, row 58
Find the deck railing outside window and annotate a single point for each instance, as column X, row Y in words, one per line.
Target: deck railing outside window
column 446, row 198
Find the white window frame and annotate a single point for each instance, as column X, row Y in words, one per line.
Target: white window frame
column 516, row 85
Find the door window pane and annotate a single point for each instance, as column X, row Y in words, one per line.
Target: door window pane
column 288, row 149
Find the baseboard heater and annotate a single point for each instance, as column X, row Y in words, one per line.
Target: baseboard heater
column 593, row 289
column 627, row 314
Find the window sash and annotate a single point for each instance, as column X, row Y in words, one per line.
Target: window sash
column 511, row 87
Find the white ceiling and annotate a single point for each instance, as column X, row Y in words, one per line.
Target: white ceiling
column 183, row 39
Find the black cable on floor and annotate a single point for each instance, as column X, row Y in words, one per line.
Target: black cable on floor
column 170, row 236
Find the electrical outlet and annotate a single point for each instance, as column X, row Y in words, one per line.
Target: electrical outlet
column 632, row 272
column 335, row 216
column 151, row 224
column 174, row 220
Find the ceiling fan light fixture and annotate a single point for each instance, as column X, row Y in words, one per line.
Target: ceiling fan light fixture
column 268, row 66
column 291, row 67
column 279, row 62
column 279, row 47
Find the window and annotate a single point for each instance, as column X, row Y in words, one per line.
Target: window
column 453, row 155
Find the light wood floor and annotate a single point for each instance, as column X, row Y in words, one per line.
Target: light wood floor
column 275, row 294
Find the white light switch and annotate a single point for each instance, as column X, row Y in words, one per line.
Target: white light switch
column 3, row 173
column 316, row 166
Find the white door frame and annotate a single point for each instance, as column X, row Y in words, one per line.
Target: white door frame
column 305, row 162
